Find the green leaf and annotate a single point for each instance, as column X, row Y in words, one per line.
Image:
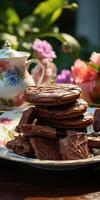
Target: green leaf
column 56, row 15
column 11, row 16
column 48, row 12
column 95, row 66
column 48, row 7
column 69, row 43
column 27, row 26
column 58, row 36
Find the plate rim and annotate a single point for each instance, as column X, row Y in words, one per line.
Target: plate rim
column 10, row 155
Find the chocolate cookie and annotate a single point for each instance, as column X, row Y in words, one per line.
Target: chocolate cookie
column 74, row 146
column 52, row 94
column 78, row 122
column 46, row 149
column 63, row 111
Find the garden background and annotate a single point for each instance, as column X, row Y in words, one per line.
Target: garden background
column 23, row 21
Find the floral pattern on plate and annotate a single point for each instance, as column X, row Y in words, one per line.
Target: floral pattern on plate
column 8, row 122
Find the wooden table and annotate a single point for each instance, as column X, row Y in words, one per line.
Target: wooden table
column 19, row 181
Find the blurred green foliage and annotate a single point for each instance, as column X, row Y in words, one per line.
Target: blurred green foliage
column 22, row 22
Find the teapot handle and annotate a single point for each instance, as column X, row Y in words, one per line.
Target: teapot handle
column 31, row 61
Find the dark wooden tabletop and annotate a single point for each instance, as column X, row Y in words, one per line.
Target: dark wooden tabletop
column 19, row 181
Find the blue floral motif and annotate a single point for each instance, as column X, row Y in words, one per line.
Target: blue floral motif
column 13, row 77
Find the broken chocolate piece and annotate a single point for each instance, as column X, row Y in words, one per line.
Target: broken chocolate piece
column 26, row 130
column 74, row 146
column 46, row 149
column 96, row 124
column 21, row 146
column 38, row 131
column 27, row 118
column 94, row 142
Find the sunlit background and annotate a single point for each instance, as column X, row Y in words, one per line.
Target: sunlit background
column 17, row 25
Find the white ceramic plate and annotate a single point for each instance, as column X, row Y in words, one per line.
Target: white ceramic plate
column 8, row 121
column 48, row 164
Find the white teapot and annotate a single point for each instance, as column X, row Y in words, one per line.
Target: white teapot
column 14, row 75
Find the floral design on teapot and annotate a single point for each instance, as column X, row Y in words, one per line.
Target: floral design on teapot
column 13, row 77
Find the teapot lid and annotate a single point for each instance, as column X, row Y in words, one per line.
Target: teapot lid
column 7, row 52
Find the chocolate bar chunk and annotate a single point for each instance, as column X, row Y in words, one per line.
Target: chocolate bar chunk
column 96, row 124
column 21, row 146
column 94, row 142
column 46, row 149
column 26, row 130
column 74, row 146
column 34, row 130
column 27, row 118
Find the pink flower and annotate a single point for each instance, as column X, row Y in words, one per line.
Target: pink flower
column 82, row 72
column 95, row 58
column 43, row 49
column 3, row 66
column 64, row 77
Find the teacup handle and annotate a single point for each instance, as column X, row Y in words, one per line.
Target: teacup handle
column 31, row 61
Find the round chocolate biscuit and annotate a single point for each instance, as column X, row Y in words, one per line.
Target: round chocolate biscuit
column 70, row 110
column 78, row 122
column 52, row 94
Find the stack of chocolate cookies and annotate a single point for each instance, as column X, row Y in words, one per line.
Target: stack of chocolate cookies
column 55, row 127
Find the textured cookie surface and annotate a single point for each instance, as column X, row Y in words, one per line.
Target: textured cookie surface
column 64, row 111
column 52, row 94
column 78, row 122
